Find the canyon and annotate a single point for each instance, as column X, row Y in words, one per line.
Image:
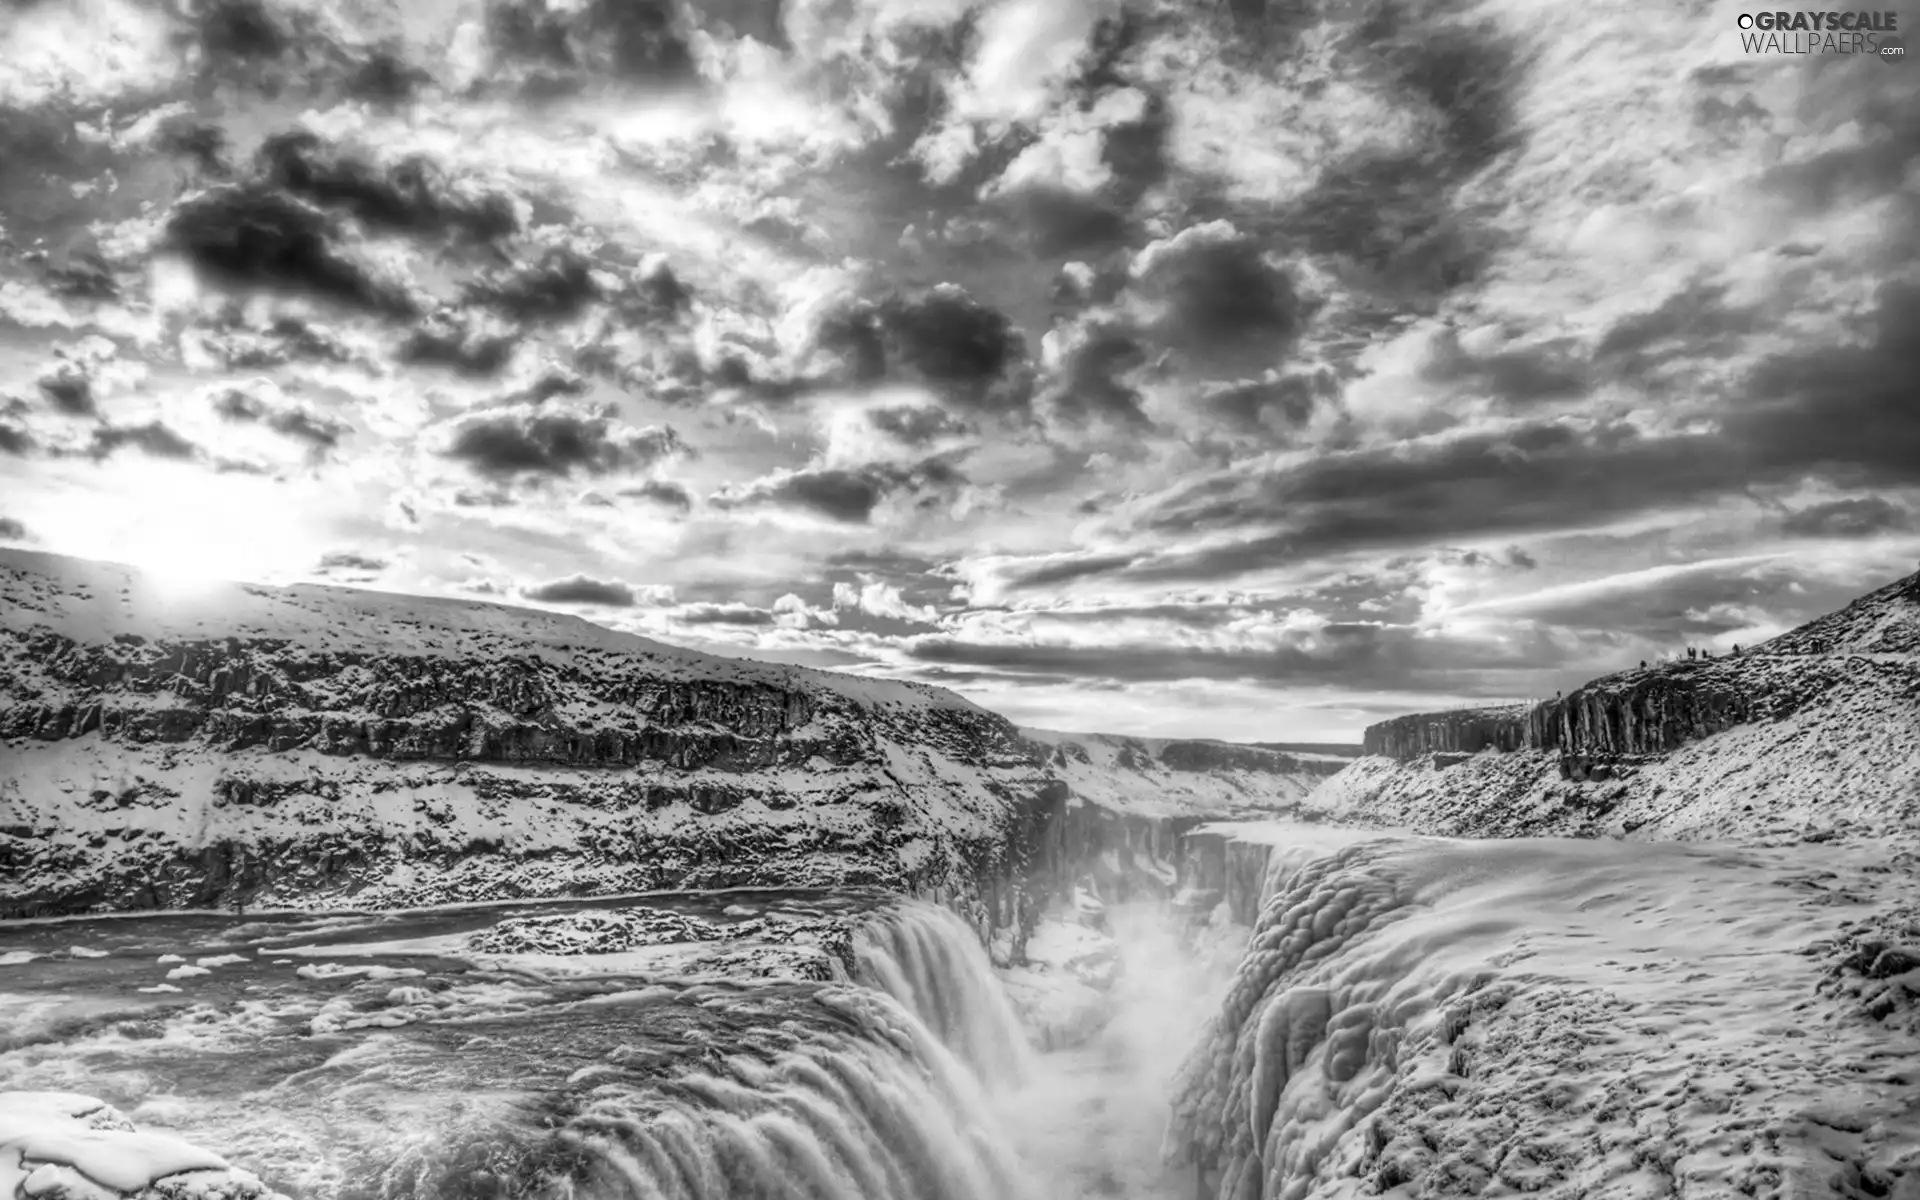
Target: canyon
column 528, row 907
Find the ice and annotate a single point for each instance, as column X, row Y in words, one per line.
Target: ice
column 1559, row 1017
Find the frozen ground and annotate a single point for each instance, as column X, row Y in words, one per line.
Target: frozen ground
column 1434, row 1017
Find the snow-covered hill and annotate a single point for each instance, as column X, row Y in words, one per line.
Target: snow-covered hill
column 1180, row 777
column 228, row 744
column 1814, row 735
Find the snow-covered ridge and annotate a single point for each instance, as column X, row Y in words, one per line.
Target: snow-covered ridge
column 1815, row 734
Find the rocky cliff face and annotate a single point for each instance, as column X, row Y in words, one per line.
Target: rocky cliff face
column 1816, row 732
column 300, row 746
column 311, row 746
column 1461, row 731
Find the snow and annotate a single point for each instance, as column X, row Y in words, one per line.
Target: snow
column 73, row 1147
column 222, row 960
column 187, row 972
column 1572, row 1018
column 17, row 958
column 1131, row 775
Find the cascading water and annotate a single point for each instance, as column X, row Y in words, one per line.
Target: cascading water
column 864, row 1104
column 930, row 961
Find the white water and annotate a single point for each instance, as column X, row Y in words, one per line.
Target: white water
column 927, row 958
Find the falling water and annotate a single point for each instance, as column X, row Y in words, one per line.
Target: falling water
column 866, row 1105
column 930, row 961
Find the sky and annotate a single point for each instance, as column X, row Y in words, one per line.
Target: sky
column 1222, row 369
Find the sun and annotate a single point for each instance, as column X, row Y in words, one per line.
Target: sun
column 187, row 530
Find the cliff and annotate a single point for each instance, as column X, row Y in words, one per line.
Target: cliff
column 1816, row 733
column 1460, row 731
column 314, row 745
column 236, row 745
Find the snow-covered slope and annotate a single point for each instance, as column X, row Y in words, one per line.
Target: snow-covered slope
column 1183, row 777
column 1815, row 735
column 1421, row 1017
column 1885, row 621
column 312, row 745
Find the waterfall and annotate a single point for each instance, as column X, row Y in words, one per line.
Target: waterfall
column 862, row 1102
column 929, row 960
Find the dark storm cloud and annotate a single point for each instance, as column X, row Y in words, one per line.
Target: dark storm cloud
column 1695, row 321
column 1220, row 292
column 413, row 195
column 1848, row 409
column 351, row 561
column 151, row 438
column 15, row 439
column 254, row 234
column 1350, row 655
column 557, row 285
column 1093, row 383
column 723, row 614
column 318, row 431
column 461, row 340
column 663, row 492
column 845, row 494
column 69, row 389
column 1539, row 475
column 12, row 530
column 971, row 354
column 582, row 589
column 1861, row 516
column 505, row 443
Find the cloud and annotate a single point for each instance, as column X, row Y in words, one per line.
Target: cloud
column 742, row 615
column 549, row 440
column 69, row 389
column 1211, row 290
column 663, row 492
column 153, row 438
column 254, row 235
column 848, row 495
column 877, row 598
column 968, row 353
column 582, row 589
column 1860, row 516
column 291, row 419
column 11, row 530
column 414, row 194
column 350, row 562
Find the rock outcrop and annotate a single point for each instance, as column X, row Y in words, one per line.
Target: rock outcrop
column 1461, row 731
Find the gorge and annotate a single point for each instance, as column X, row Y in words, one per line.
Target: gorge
column 320, row 893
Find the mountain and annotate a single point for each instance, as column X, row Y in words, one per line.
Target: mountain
column 307, row 746
column 1812, row 735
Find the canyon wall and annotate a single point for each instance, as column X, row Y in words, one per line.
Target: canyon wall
column 247, row 747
